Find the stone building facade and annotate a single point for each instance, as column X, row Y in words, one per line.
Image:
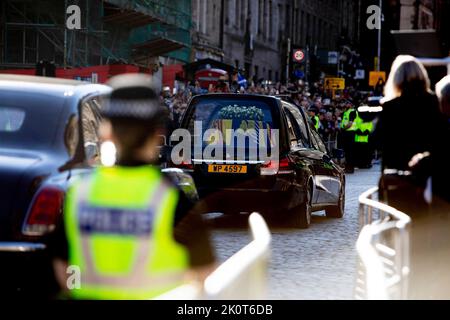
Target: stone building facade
column 207, row 29
column 253, row 35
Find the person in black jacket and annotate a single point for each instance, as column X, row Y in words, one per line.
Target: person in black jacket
column 429, row 237
column 440, row 156
column 408, row 125
column 409, row 121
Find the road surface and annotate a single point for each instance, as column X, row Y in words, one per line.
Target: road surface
column 317, row 263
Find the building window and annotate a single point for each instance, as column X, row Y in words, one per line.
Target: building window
column 266, row 20
column 260, row 17
column 271, row 20
column 269, row 76
column 214, row 17
column 302, row 28
column 308, row 28
column 288, row 21
column 198, row 15
column 313, row 33
column 247, row 70
column 319, row 32
column 280, row 18
column 237, row 7
column 256, row 73
column 244, row 14
column 204, row 14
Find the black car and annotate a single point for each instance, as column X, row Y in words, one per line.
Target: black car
column 48, row 136
column 305, row 178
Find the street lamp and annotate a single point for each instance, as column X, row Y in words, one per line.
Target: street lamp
column 379, row 36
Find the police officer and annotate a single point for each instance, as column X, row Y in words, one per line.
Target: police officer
column 348, row 128
column 130, row 232
column 363, row 154
column 313, row 111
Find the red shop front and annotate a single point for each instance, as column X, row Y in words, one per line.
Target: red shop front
column 95, row 74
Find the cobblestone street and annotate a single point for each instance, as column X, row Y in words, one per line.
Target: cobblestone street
column 317, row 263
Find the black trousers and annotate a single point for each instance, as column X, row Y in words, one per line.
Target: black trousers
column 362, row 155
column 348, row 144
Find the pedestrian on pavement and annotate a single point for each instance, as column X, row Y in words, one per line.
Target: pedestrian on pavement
column 407, row 126
column 129, row 230
column 429, row 236
column 348, row 129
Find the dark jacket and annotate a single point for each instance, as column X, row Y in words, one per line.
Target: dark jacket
column 440, row 162
column 408, row 125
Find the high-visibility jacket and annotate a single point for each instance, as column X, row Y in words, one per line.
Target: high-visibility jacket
column 119, row 225
column 364, row 130
column 317, row 122
column 346, row 120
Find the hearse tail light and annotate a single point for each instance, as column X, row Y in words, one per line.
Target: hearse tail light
column 283, row 166
column 185, row 165
column 44, row 211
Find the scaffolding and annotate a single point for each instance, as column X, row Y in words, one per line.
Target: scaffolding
column 36, row 30
column 111, row 31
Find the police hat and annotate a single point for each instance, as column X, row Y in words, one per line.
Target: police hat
column 313, row 109
column 133, row 97
column 348, row 103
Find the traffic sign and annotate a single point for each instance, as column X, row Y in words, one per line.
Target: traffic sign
column 360, row 74
column 374, row 76
column 299, row 55
column 299, row 74
column 334, row 83
column 333, row 57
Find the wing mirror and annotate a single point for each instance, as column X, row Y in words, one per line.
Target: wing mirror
column 326, row 158
column 165, row 150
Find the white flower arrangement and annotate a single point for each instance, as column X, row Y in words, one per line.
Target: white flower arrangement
column 241, row 112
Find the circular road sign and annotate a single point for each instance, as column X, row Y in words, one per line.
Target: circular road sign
column 299, row 55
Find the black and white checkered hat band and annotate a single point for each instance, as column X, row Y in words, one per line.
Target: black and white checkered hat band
column 138, row 109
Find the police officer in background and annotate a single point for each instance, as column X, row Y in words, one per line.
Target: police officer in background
column 349, row 126
column 363, row 150
column 129, row 230
column 313, row 111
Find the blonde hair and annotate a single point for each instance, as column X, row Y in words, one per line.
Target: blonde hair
column 407, row 73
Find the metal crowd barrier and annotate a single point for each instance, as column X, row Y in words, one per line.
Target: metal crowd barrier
column 383, row 250
column 433, row 62
column 331, row 144
column 243, row 276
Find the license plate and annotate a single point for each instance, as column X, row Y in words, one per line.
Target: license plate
column 222, row 168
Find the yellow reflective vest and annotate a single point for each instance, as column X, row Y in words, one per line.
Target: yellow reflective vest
column 317, row 122
column 346, row 120
column 366, row 128
column 119, row 224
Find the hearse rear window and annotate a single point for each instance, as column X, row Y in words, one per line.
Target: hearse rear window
column 231, row 114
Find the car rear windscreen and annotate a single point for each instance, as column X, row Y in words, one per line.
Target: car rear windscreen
column 29, row 123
